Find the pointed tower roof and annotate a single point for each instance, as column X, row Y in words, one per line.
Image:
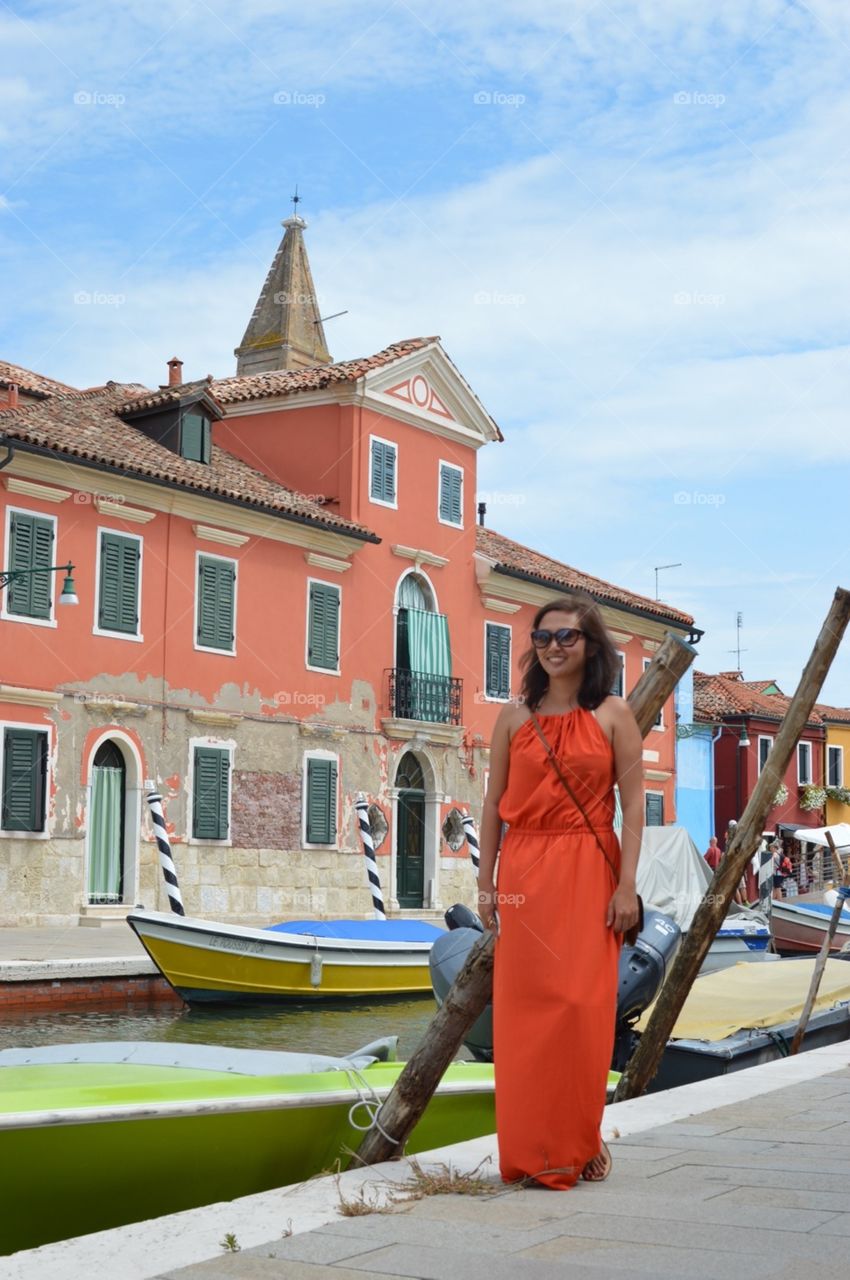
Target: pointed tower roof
column 285, row 331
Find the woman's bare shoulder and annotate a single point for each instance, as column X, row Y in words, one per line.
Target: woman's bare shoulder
column 511, row 717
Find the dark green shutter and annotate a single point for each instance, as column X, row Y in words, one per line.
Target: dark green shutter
column 216, row 601
column 118, row 607
column 210, row 793
column 450, row 485
column 31, row 539
column 654, row 810
column 382, row 480
column 498, row 661
column 321, row 801
column 323, row 626
column 24, row 776
column 195, row 434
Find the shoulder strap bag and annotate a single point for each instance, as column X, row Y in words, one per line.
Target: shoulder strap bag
column 630, row 936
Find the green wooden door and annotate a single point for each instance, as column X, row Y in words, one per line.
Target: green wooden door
column 410, row 847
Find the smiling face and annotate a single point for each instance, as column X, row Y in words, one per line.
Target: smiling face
column 555, row 660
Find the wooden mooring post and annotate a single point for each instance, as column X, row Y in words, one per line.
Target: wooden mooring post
column 473, row 987
column 644, row 1062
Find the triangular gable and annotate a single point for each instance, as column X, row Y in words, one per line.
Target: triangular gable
column 425, row 388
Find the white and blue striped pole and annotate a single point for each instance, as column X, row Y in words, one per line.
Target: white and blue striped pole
column 166, row 861
column 362, row 808
column 471, row 840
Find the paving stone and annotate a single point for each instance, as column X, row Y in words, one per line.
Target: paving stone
column 726, row 1211
column 434, row 1264
column 312, row 1246
column 788, row 1196
column 239, row 1266
column 838, row 1226
column 450, row 1235
column 666, row 1260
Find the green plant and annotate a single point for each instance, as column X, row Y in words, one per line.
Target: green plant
column 230, row 1244
column 812, row 797
column 841, row 795
column 781, row 794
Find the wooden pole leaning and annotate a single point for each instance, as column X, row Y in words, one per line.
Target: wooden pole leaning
column 712, row 910
column 823, row 954
column 473, row 987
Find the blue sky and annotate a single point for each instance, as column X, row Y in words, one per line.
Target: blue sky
column 628, row 221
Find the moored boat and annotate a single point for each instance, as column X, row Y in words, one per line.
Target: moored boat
column 206, row 962
column 800, row 925
column 97, row 1135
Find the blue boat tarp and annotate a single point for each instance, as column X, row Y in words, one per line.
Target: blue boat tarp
column 822, row 908
column 363, row 930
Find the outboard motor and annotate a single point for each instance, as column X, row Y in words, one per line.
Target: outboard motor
column 643, row 969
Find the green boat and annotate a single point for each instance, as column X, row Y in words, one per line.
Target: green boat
column 98, row 1135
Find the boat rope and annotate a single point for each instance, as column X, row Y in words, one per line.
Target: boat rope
column 368, row 1099
column 471, row 840
column 780, row 1042
column 362, row 810
column 166, row 861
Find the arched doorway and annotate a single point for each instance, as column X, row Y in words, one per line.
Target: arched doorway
column 410, row 836
column 107, row 825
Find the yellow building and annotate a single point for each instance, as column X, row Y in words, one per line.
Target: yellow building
column 836, row 757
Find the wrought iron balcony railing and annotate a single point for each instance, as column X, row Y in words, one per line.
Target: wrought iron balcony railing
column 416, row 695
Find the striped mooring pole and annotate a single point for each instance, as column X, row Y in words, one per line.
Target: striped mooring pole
column 169, row 871
column 368, row 843
column 471, row 840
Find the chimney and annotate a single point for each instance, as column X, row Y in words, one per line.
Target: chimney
column 482, row 511
column 10, row 400
column 175, row 372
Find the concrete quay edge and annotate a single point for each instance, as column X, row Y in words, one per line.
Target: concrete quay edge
column 90, row 967
column 144, row 1250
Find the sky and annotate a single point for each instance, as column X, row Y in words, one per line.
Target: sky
column 627, row 221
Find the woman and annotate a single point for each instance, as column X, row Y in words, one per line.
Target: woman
column 562, row 904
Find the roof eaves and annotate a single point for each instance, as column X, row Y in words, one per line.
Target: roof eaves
column 539, row 580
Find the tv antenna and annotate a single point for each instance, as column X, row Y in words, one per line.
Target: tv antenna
column 739, row 622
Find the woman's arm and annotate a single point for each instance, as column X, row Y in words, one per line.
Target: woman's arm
column 628, row 767
column 491, row 823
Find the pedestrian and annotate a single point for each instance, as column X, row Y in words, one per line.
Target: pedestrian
column 782, row 868
column 713, row 853
column 563, row 896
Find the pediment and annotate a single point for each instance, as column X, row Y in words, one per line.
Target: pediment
column 426, row 389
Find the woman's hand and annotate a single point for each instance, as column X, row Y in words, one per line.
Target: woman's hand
column 487, row 899
column 623, row 910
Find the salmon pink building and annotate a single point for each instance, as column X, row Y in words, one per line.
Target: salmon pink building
column 285, row 599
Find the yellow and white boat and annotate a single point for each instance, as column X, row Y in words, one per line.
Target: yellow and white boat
column 208, row 962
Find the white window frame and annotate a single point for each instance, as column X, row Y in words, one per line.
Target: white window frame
column 804, row 748
column 206, row 648
column 444, row 462
column 659, row 723
column 831, row 746
column 380, row 502
column 763, row 737
column 46, row 834
column 7, row 547
column 622, row 654
column 506, row 626
column 317, row 754
column 103, row 631
column 219, row 744
column 651, row 792
column 323, row 671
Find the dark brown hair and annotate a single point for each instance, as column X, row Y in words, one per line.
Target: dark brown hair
column 601, row 665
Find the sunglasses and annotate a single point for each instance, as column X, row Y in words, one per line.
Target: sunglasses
column 564, row 637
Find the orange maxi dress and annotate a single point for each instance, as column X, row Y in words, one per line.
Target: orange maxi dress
column 556, row 961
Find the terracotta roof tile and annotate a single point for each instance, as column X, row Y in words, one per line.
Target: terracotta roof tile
column 284, row 382
column 833, row 713
column 86, row 425
column 716, row 696
column 31, row 383
column 165, row 396
column 510, row 556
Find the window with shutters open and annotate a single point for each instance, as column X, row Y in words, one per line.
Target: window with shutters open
column 211, row 793
column 498, row 660
column 215, row 606
column 320, row 799
column 450, row 508
column 323, row 614
column 383, row 457
column 24, row 779
column 119, row 584
column 30, row 541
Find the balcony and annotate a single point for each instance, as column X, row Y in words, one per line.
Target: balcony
column 416, row 695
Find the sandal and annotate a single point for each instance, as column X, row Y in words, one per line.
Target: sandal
column 609, row 1164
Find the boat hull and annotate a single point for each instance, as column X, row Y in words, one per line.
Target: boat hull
column 799, row 929
column 207, row 962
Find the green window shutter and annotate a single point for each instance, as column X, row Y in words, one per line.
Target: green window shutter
column 321, row 801
column 498, row 661
column 450, row 486
column 31, row 545
column 382, row 472
column 211, row 791
column 24, row 778
column 216, row 603
column 118, row 607
column 195, row 437
column 323, row 626
column 654, row 810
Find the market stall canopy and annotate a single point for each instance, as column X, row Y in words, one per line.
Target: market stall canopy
column 840, row 832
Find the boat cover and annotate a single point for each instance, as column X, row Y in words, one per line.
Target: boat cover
column 363, row 930
column 673, row 875
column 822, row 908
column 754, row 995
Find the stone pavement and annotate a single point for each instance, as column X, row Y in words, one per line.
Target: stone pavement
column 69, row 942
column 756, row 1188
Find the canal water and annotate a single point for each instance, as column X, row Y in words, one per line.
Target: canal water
column 305, row 1029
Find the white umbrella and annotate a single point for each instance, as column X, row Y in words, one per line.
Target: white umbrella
column 840, row 832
